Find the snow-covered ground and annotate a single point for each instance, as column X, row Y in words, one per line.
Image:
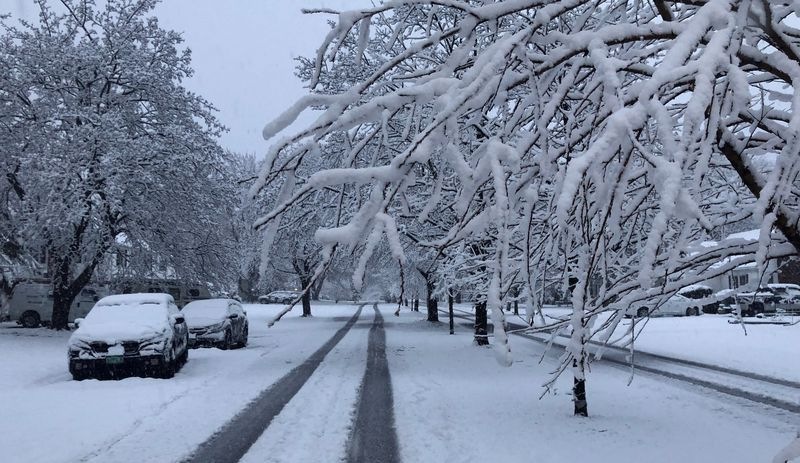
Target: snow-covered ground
column 767, row 349
column 453, row 401
column 47, row 417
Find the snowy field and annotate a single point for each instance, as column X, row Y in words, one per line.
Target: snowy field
column 453, row 402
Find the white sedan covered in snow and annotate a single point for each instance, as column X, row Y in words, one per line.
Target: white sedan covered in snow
column 142, row 334
column 677, row 305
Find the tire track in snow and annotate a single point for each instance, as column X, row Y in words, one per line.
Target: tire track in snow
column 232, row 442
column 157, row 410
column 373, row 438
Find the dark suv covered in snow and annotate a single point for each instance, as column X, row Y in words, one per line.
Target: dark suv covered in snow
column 142, row 334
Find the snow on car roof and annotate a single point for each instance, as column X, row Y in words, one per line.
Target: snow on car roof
column 136, row 299
column 693, row 287
column 784, row 285
column 204, row 303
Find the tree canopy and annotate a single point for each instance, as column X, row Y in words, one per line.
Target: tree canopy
column 601, row 142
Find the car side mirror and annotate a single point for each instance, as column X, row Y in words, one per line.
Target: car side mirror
column 233, row 316
column 178, row 319
column 78, row 322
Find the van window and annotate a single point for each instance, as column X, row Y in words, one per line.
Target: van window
column 193, row 292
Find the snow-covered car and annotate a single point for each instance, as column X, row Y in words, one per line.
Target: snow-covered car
column 677, row 305
column 216, row 322
column 702, row 294
column 764, row 295
column 787, row 293
column 279, row 297
column 142, row 334
column 752, row 303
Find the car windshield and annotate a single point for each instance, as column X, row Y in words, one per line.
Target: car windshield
column 206, row 309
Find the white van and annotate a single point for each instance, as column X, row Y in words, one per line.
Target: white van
column 31, row 303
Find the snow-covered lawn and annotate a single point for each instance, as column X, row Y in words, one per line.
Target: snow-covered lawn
column 453, row 401
column 772, row 350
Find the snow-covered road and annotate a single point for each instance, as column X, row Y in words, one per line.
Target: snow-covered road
column 47, row 417
column 452, row 402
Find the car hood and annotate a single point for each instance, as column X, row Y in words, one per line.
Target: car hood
column 111, row 333
column 203, row 322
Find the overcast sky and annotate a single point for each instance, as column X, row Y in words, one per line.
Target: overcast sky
column 243, row 54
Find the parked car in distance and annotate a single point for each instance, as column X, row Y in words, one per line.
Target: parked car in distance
column 142, row 334
column 182, row 293
column 752, row 303
column 773, row 298
column 279, row 297
column 31, row 303
column 701, row 292
column 787, row 293
column 677, row 305
column 216, row 322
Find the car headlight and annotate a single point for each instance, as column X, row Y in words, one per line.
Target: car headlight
column 216, row 328
column 77, row 346
column 157, row 343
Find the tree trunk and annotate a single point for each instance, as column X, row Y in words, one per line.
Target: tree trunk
column 245, row 290
column 433, row 304
column 307, row 304
column 5, row 296
column 66, row 289
column 450, row 312
column 64, row 294
column 481, row 324
column 416, row 305
column 516, row 307
column 317, row 288
column 579, row 395
column 306, row 298
column 579, row 368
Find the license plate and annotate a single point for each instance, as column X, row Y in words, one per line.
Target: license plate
column 114, row 360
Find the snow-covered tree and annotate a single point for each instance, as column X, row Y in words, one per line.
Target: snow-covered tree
column 103, row 146
column 597, row 141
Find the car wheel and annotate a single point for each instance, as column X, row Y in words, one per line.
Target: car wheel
column 243, row 341
column 697, row 311
column 184, row 357
column 168, row 368
column 30, row 319
column 642, row 312
column 227, row 342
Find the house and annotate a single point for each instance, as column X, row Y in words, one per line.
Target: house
column 746, row 276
